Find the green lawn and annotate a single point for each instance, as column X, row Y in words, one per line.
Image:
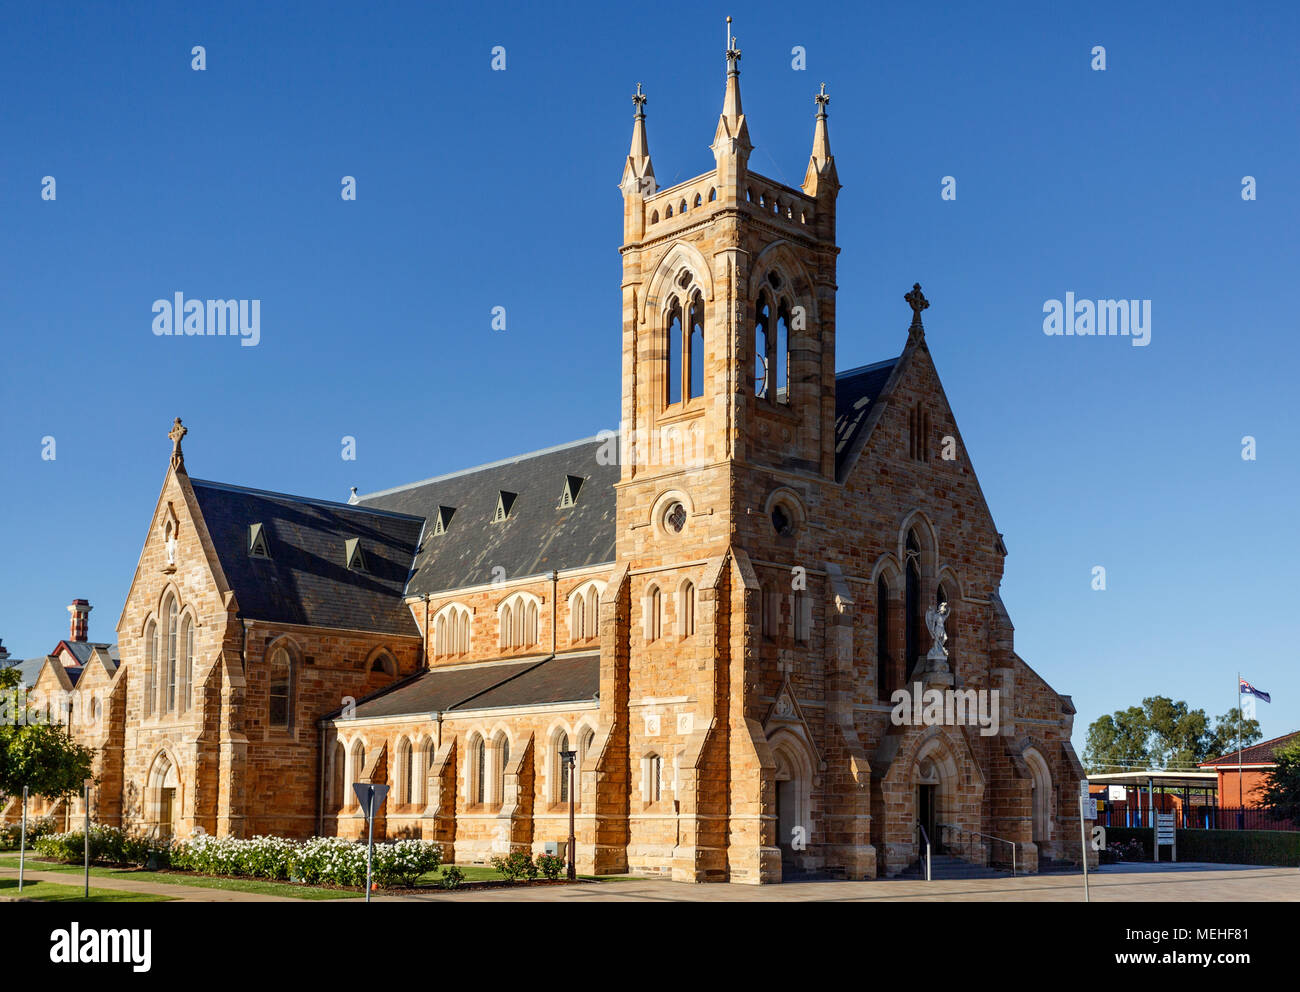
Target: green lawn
column 486, row 873
column 50, row 892
column 264, row 888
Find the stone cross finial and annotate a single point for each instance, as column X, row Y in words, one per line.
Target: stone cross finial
column 917, row 301
column 639, row 99
column 821, row 99
column 176, row 433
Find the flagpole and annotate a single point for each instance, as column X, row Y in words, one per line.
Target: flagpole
column 1241, row 811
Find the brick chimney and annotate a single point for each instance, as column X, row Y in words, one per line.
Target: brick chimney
column 80, row 610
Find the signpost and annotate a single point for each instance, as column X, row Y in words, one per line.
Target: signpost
column 1165, row 834
column 371, row 798
column 1083, row 831
column 86, row 786
column 22, row 846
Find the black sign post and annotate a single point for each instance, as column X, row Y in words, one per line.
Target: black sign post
column 371, row 798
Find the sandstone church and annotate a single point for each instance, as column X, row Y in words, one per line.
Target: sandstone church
column 712, row 610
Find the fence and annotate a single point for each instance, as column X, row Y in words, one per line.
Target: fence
column 1194, row 818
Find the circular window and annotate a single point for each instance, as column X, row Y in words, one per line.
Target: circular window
column 675, row 518
column 781, row 522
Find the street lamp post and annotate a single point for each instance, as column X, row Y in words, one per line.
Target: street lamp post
column 569, row 758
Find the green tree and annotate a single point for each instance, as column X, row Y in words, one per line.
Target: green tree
column 42, row 757
column 1223, row 739
column 1161, row 733
column 1280, row 792
column 1117, row 742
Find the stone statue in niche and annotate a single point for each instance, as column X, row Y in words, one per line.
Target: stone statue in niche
column 934, row 620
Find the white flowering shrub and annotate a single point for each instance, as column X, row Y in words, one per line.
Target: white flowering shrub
column 321, row 860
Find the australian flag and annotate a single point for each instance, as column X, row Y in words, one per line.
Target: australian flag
column 1250, row 690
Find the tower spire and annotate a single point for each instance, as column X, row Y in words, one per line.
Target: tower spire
column 821, row 164
column 732, row 137
column 639, row 172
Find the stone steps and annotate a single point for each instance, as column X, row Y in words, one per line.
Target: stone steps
column 947, row 867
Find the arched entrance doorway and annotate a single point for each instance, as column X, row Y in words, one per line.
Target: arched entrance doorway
column 927, row 803
column 793, row 780
column 1040, row 781
column 163, row 796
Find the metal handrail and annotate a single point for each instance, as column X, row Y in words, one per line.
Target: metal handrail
column 927, row 849
column 1000, row 840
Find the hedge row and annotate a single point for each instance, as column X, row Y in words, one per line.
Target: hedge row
column 1237, row 847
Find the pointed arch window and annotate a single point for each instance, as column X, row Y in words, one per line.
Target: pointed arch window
column 151, row 665
column 478, row 752
column 781, row 356
column 187, row 665
column 405, row 771
column 686, row 609
column 883, row 687
column 695, row 366
column 672, row 348
column 357, row 766
column 279, row 707
column 561, row 791
column 762, row 330
column 912, row 615
column 451, row 631
column 169, row 685
column 654, row 612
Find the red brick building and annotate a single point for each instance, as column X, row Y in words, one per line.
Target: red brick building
column 1241, row 773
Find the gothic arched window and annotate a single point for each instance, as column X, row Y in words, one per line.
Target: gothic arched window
column 561, row 791
column 405, row 771
column 279, row 708
column 654, row 610
column 151, row 665
column 169, row 686
column 781, row 356
column 882, row 640
column 187, row 668
column 686, row 610
column 672, row 348
column 912, row 617
column 695, row 370
column 762, row 327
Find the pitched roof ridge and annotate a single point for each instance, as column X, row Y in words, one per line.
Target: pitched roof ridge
column 332, row 504
column 1249, row 747
column 873, row 366
column 480, row 468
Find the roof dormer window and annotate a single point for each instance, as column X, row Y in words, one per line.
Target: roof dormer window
column 356, row 558
column 572, row 483
column 257, row 547
column 505, row 500
column 442, row 519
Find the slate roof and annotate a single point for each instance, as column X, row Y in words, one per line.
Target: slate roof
column 527, row 682
column 28, row 669
column 855, row 394
column 535, row 538
column 1263, row 753
column 82, row 650
column 306, row 579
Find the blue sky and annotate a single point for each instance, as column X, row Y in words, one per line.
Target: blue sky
column 479, row 189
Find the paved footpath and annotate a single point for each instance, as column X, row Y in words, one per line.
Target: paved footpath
column 182, row 893
column 1188, row 882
